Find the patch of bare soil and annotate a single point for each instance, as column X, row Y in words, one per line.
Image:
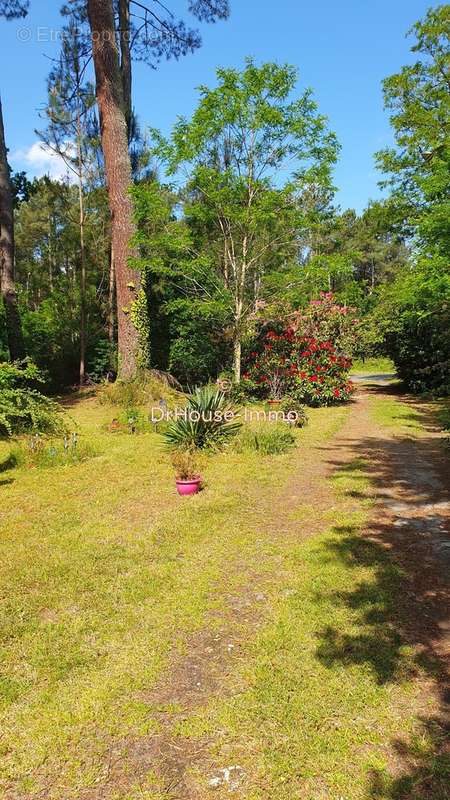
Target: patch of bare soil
column 410, row 519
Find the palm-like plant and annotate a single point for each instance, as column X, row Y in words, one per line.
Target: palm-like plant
column 209, row 421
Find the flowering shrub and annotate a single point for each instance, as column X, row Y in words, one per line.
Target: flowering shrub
column 319, row 374
column 310, row 359
column 326, row 320
column 270, row 363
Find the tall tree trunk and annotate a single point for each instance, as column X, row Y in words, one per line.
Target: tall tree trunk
column 50, row 254
column 118, row 174
column 237, row 355
column 8, row 287
column 111, row 292
column 125, row 60
column 82, row 285
column 82, row 255
column 237, row 339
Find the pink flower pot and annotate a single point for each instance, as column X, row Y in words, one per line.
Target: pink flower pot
column 190, row 486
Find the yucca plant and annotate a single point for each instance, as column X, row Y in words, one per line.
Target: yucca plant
column 209, row 421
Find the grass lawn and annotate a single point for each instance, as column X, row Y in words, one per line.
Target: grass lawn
column 380, row 365
column 106, row 574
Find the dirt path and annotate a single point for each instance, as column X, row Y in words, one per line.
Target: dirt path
column 410, row 517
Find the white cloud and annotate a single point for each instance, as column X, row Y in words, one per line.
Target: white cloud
column 38, row 160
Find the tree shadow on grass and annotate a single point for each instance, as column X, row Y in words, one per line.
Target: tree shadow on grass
column 403, row 611
column 8, row 463
column 426, row 767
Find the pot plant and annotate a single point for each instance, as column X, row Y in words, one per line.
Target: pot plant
column 187, row 477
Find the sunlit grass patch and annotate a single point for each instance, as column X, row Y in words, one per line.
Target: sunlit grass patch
column 105, row 572
column 380, row 365
column 394, row 414
column 312, row 707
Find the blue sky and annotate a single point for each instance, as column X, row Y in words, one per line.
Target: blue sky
column 342, row 48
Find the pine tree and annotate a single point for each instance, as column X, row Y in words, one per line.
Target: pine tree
column 9, row 9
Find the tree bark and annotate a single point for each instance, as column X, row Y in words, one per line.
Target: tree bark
column 237, row 350
column 113, row 127
column 111, row 292
column 82, row 256
column 8, row 287
column 125, row 60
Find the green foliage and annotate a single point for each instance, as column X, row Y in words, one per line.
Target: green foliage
column 209, row 421
column 123, row 393
column 419, row 100
column 22, row 407
column 134, row 420
column 47, row 272
column 292, row 406
column 103, row 359
column 243, row 221
column 443, row 416
column 147, row 387
column 266, row 438
column 186, row 331
column 414, row 318
column 199, row 345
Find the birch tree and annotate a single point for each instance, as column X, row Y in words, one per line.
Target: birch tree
column 246, row 154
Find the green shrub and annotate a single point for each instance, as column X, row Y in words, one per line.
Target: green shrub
column 197, row 341
column 208, row 422
column 22, row 407
column 266, row 438
column 147, row 387
column 414, row 317
column 443, row 416
column 134, row 421
column 291, row 404
column 102, row 360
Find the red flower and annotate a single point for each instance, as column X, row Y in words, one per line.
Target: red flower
column 302, row 375
column 336, row 392
column 313, row 378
